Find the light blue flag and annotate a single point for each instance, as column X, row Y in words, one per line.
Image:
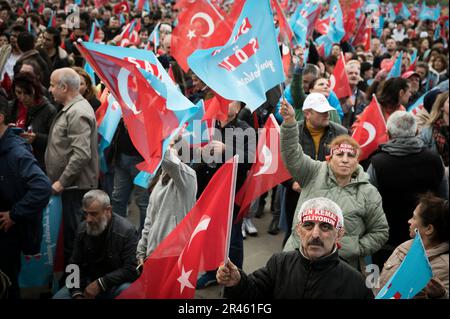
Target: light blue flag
column 37, row 271
column 404, row 12
column 160, row 81
column 249, row 64
column 411, row 277
column 154, row 36
column 437, row 32
column 396, row 70
column 380, row 27
column 336, row 28
column 196, row 132
column 415, row 107
column 336, row 31
column 413, row 55
column 372, row 6
column 428, row 13
column 87, row 67
column 122, row 19
column 107, row 129
column 299, row 21
column 390, row 14
column 141, row 58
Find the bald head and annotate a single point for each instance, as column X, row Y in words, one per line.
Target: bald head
column 64, row 85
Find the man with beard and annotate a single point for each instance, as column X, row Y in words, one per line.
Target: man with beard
column 314, row 271
column 104, row 251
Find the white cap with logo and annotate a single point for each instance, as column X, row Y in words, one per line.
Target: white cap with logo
column 317, row 102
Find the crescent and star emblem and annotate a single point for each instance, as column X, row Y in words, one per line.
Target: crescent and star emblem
column 203, row 16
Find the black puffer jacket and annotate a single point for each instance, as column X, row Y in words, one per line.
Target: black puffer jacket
column 290, row 275
column 115, row 262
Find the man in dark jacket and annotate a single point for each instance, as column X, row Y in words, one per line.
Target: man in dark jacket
column 104, row 251
column 402, row 169
column 26, row 42
column 231, row 137
column 24, row 193
column 312, row 272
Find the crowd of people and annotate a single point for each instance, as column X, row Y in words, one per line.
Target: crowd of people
column 49, row 146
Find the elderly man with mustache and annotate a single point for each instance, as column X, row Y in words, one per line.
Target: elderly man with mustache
column 104, row 251
column 314, row 271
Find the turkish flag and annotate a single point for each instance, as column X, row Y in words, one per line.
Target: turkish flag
column 322, row 25
column 100, row 3
column 200, row 26
column 349, row 9
column 286, row 58
column 268, row 169
column 121, row 7
column 285, row 29
column 198, row 243
column 360, row 33
column 144, row 111
column 216, row 108
column 339, row 80
column 101, row 111
column 368, row 40
column 370, row 129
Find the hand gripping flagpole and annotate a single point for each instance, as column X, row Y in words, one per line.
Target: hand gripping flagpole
column 230, row 214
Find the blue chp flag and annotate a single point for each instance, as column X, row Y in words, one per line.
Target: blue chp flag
column 249, row 64
column 411, row 277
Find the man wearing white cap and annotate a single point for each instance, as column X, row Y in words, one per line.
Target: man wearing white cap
column 314, row 271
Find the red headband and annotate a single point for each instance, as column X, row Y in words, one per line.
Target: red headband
column 321, row 215
column 342, row 148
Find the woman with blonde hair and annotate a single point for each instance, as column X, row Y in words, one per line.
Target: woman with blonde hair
column 87, row 89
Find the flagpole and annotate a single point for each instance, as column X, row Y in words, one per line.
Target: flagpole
column 379, row 109
column 231, row 206
column 230, row 214
column 217, row 12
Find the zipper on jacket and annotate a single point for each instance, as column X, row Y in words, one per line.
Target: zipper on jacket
column 307, row 280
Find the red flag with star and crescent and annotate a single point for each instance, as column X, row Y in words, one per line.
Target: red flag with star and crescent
column 144, row 111
column 268, row 169
column 339, row 80
column 370, row 129
column 200, row 242
column 200, row 26
column 121, row 7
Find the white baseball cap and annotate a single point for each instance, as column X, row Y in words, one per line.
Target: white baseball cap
column 317, row 102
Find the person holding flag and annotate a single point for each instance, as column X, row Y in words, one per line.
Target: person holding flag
column 243, row 143
column 342, row 180
column 430, row 222
column 173, row 193
column 320, row 227
column 354, row 104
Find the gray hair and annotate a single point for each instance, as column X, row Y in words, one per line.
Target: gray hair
column 311, row 69
column 96, row 195
column 70, row 78
column 401, row 124
column 320, row 203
